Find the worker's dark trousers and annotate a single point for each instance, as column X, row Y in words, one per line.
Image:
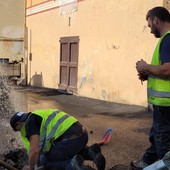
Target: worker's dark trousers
column 159, row 135
column 62, row 152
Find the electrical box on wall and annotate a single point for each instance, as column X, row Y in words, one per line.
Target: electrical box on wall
column 166, row 4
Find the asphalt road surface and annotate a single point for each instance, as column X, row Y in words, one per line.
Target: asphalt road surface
column 130, row 123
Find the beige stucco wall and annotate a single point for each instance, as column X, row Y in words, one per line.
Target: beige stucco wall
column 113, row 36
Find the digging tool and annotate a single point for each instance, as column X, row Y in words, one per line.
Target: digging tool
column 5, row 165
column 106, row 137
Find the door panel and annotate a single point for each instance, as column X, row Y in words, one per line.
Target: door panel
column 73, row 78
column 63, row 73
column 63, row 54
column 73, row 52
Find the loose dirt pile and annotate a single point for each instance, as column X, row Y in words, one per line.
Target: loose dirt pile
column 11, row 149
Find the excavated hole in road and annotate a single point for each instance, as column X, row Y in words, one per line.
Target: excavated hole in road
column 16, row 158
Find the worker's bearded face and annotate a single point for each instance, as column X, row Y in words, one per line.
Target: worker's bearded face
column 155, row 31
column 154, row 28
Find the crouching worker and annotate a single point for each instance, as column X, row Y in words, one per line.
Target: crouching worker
column 55, row 141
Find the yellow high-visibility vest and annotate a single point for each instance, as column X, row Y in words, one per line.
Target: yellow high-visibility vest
column 158, row 88
column 54, row 124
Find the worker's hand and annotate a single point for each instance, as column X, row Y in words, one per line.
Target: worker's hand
column 141, row 66
column 143, row 76
column 26, row 168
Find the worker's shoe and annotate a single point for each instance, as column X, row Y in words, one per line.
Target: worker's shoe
column 77, row 163
column 97, row 157
column 138, row 165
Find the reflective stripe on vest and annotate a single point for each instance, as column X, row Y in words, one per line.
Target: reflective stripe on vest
column 56, row 126
column 44, row 140
column 158, row 93
column 43, row 136
column 158, row 88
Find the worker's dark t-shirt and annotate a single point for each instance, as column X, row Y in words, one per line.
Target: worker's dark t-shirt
column 165, row 49
column 33, row 125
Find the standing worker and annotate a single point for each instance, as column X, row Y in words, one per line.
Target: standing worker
column 157, row 75
column 55, row 140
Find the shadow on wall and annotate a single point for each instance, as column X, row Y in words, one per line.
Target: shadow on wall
column 37, row 80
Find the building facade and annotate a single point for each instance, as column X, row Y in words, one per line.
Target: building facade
column 89, row 47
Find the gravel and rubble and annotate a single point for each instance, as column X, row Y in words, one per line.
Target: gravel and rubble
column 11, row 148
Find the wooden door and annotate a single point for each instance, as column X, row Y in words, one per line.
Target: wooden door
column 69, row 47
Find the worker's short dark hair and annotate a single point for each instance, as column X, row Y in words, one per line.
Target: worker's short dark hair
column 160, row 12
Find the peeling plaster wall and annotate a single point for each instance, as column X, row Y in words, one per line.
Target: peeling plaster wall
column 12, row 26
column 113, row 36
column 12, row 22
column 12, row 50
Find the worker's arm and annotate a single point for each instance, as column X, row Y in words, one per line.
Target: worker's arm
column 160, row 70
column 34, row 151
